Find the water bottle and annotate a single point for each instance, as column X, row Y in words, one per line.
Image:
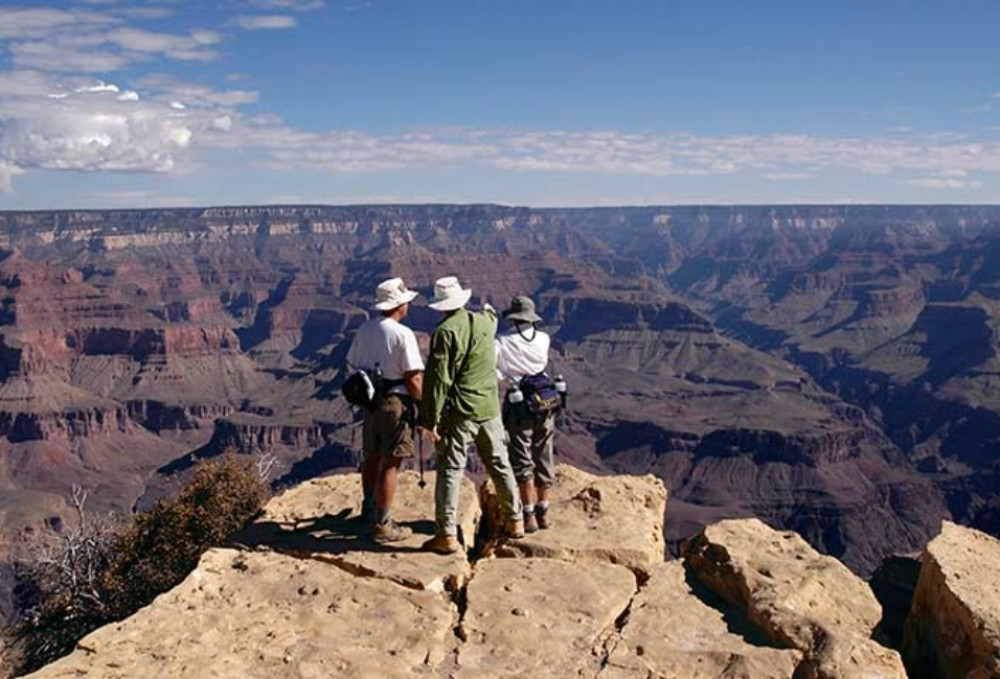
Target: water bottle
column 562, row 389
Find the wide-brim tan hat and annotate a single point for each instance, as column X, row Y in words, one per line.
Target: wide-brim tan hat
column 392, row 293
column 449, row 294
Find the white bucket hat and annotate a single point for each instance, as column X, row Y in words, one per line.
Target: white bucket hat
column 449, row 295
column 393, row 293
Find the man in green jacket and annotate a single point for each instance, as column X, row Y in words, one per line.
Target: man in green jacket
column 461, row 405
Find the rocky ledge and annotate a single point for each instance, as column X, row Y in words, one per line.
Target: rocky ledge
column 303, row 593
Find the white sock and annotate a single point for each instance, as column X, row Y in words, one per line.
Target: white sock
column 529, row 509
column 543, row 504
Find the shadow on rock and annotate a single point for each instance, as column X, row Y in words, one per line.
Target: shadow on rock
column 331, row 534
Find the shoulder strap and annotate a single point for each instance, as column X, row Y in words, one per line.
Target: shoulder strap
column 468, row 349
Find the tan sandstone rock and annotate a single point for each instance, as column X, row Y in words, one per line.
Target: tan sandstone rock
column 320, row 519
column 797, row 596
column 954, row 624
column 540, row 618
column 672, row 634
column 251, row 615
column 616, row 519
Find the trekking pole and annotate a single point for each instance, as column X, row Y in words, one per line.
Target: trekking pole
column 420, row 454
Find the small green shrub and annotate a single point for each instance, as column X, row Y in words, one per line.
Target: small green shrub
column 94, row 574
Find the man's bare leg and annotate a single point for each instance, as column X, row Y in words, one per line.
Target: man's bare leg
column 387, row 530
column 385, row 489
column 369, row 480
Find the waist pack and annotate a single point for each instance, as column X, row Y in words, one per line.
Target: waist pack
column 360, row 391
column 364, row 390
column 540, row 394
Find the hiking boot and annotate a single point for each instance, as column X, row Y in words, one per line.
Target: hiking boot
column 541, row 516
column 514, row 529
column 442, row 544
column 390, row 531
column 530, row 522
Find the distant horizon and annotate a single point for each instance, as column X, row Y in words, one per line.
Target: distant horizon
column 109, row 104
column 506, row 206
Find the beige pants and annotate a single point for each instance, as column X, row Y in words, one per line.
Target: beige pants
column 452, row 457
column 531, row 453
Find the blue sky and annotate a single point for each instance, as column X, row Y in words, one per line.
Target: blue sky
column 130, row 103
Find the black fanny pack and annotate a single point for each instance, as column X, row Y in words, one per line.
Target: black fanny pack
column 364, row 389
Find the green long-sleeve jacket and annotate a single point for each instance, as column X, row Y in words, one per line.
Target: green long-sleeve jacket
column 472, row 394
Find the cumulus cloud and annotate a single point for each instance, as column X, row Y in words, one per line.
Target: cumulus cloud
column 93, row 127
column 59, row 123
column 54, row 116
column 7, row 174
column 265, row 22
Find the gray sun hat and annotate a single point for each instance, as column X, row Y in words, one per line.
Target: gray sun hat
column 522, row 310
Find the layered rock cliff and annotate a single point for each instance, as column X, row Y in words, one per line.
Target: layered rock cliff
column 302, row 592
column 830, row 369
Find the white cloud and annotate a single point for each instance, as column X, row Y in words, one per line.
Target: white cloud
column 144, row 12
column 89, row 128
column 172, row 90
column 265, row 22
column 7, row 174
column 786, row 176
column 941, row 183
column 289, row 5
column 186, row 47
column 777, row 157
column 62, row 58
column 37, row 23
column 70, row 41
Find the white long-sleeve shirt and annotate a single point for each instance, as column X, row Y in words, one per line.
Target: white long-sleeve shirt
column 517, row 357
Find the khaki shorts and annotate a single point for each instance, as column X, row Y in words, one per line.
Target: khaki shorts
column 388, row 430
column 530, row 446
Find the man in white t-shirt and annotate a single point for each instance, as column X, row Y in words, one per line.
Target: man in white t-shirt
column 385, row 344
column 521, row 352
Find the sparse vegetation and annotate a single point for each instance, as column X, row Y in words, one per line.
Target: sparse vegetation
column 98, row 572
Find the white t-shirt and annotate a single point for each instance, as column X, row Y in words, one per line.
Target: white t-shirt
column 517, row 357
column 388, row 344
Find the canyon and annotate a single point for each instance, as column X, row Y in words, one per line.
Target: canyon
column 830, row 370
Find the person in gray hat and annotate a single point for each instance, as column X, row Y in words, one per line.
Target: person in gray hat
column 522, row 357
column 384, row 345
column 461, row 406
